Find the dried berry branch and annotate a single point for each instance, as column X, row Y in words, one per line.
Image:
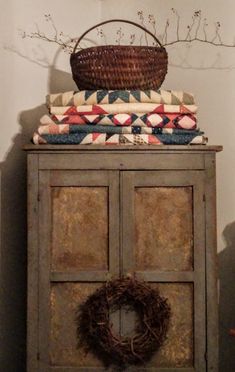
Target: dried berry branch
column 217, row 35
column 152, row 21
column 177, row 22
column 141, row 18
column 198, row 15
column 218, row 44
column 164, row 36
column 132, row 39
column 66, row 42
column 190, row 28
column 197, row 30
column 196, row 27
column 101, row 34
column 205, row 25
column 120, row 36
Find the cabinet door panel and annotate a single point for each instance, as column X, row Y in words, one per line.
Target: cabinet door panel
column 166, row 242
column 79, row 250
column 79, row 227
column 177, row 351
column 163, row 242
column 64, row 301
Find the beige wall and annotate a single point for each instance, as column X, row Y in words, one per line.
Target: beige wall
column 31, row 68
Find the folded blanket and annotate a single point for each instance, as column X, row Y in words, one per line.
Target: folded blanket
column 110, row 129
column 183, row 121
column 125, row 108
column 92, row 97
column 117, row 139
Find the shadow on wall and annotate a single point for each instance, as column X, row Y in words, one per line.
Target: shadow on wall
column 14, row 233
column 227, row 300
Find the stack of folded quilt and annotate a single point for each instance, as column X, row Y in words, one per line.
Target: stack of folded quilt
column 112, row 117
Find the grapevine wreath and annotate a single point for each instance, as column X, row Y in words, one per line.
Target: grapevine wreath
column 94, row 330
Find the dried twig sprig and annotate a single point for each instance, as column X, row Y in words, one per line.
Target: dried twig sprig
column 132, row 39
column 120, row 36
column 140, row 14
column 152, row 22
column 197, row 31
column 197, row 26
column 177, row 22
column 66, row 42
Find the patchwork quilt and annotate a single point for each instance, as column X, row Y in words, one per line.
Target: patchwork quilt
column 120, row 117
column 183, row 121
column 123, row 108
column 110, row 129
column 93, row 97
column 119, row 139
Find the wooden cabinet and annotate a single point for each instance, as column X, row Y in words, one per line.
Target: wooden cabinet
column 101, row 212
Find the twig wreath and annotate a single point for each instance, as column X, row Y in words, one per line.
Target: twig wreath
column 95, row 332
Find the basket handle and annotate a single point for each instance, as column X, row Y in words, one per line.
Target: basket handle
column 116, row 20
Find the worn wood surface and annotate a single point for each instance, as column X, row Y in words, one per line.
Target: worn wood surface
column 211, row 266
column 119, row 161
column 78, row 178
column 114, row 224
column 125, row 198
column 199, row 271
column 166, row 276
column 131, row 369
column 32, row 290
column 44, row 226
column 80, row 276
column 141, row 148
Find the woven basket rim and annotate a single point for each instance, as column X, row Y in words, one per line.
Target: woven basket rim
column 111, row 46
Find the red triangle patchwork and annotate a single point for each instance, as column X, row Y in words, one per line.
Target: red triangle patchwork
column 154, row 140
column 184, row 110
column 95, row 136
column 128, row 121
column 97, row 110
column 75, row 119
column 117, row 121
column 158, row 109
column 71, row 111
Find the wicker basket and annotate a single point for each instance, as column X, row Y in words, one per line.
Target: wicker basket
column 119, row 66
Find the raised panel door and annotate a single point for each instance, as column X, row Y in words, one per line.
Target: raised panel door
column 78, row 251
column 163, row 243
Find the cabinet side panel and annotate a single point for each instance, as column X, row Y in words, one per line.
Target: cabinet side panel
column 211, row 265
column 32, row 306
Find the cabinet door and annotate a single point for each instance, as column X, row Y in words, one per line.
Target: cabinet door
column 163, row 242
column 79, row 243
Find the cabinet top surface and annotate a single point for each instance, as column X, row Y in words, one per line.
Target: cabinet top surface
column 123, row 148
